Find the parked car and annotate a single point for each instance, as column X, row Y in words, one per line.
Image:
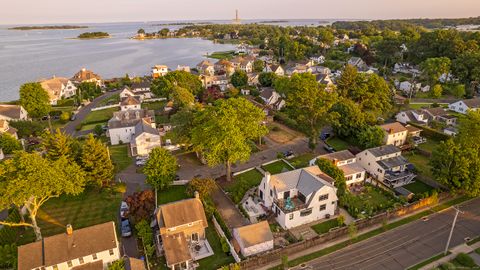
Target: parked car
column 324, row 136
column 177, row 177
column 141, row 162
column 126, row 230
column 124, row 209
column 288, row 154
column 329, row 148
column 419, row 140
column 74, row 116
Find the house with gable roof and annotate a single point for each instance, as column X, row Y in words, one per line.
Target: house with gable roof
column 85, row 75
column 121, row 127
column 130, row 103
column 58, row 88
column 299, row 197
column 253, row 239
column 463, row 106
column 347, row 162
column 12, row 112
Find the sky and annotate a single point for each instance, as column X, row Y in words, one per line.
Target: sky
column 91, row 11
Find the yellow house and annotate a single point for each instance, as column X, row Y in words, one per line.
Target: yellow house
column 182, row 233
column 395, row 134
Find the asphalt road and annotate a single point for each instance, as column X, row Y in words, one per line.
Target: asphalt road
column 84, row 111
column 406, row 245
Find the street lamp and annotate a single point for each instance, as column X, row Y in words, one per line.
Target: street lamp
column 451, row 230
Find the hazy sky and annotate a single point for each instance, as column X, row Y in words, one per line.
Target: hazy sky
column 56, row 11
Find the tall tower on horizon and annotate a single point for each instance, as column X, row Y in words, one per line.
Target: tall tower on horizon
column 237, row 18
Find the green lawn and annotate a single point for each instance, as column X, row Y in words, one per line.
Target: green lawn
column 92, row 126
column 428, row 261
column 277, row 167
column 162, row 119
column 371, row 200
column 417, row 106
column 172, row 194
column 429, row 145
column 325, row 226
column 110, row 101
column 419, row 187
column 243, row 182
column 302, row 160
column 87, row 209
column 421, row 164
column 338, row 144
column 222, row 55
column 99, row 116
column 219, row 258
column 120, row 158
column 156, row 106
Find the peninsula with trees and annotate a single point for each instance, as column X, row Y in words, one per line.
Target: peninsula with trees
column 48, row 27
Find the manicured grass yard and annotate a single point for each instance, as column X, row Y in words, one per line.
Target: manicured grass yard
column 219, row 258
column 421, row 164
column 418, row 187
column 157, row 105
column 243, row 182
column 92, row 126
column 325, row 226
column 302, row 160
column 110, row 101
column 172, row 194
column 277, row 167
column 120, row 158
column 89, row 208
column 99, row 116
column 371, row 200
column 429, row 145
column 337, row 144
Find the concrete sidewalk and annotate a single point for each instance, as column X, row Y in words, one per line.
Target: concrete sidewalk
column 464, row 248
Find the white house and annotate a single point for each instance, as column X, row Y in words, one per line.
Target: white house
column 145, row 139
column 58, row 88
column 450, row 131
column 126, row 92
column 253, row 239
column 121, row 127
column 277, row 69
column 299, row 197
column 85, row 75
column 325, row 80
column 130, row 103
column 395, row 134
column 321, row 70
column 318, row 59
column 12, row 112
column 159, row 71
column 463, row 106
column 272, row 98
column 358, row 63
column 183, row 68
column 347, row 162
column 206, row 67
column 93, row 247
column 415, row 116
column 6, row 128
column 386, row 164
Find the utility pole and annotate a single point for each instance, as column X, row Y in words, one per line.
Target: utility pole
column 451, row 230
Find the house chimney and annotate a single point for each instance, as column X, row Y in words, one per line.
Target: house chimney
column 267, row 177
column 335, row 161
column 390, row 130
column 84, row 69
column 69, row 229
column 197, row 195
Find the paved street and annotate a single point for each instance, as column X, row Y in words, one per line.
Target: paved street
column 407, row 245
column 84, row 111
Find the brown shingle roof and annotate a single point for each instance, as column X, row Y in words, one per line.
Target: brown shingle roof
column 98, row 265
column 84, row 75
column 134, row 264
column 181, row 212
column 176, row 248
column 130, row 100
column 393, row 127
column 10, row 111
column 254, row 234
column 62, row 247
column 472, row 103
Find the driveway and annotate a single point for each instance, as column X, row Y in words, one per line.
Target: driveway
column 230, row 214
column 134, row 181
column 84, row 111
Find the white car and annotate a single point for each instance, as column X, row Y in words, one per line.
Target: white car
column 141, row 162
column 124, row 209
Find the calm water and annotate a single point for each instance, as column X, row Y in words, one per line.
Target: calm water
column 31, row 55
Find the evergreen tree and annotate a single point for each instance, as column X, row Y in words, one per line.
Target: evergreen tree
column 58, row 144
column 96, row 162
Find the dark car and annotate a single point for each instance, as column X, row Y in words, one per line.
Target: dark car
column 324, row 136
column 329, row 148
column 126, row 230
column 288, row 153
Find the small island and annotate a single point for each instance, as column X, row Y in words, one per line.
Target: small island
column 93, row 35
column 48, row 27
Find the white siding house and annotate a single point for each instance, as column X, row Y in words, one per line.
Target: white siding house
column 121, row 127
column 299, row 197
column 145, row 139
column 386, row 164
column 463, row 106
column 395, row 134
column 347, row 162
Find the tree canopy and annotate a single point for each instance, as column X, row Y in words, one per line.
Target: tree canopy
column 160, row 168
column 164, row 86
column 239, row 79
column 333, row 171
column 96, row 162
column 35, row 100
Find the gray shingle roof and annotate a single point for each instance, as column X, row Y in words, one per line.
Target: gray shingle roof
column 384, row 150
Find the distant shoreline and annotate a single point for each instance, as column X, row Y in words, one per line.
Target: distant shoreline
column 48, row 27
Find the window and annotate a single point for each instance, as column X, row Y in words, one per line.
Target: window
column 290, row 216
column 323, row 197
column 94, row 256
column 358, row 175
column 80, row 260
column 306, row 212
column 323, row 207
column 110, row 251
column 379, row 170
column 147, row 139
column 69, row 263
column 195, row 237
column 271, row 193
column 348, row 178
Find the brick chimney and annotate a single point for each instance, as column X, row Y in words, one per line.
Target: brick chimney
column 197, row 195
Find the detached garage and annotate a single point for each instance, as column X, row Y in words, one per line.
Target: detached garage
column 253, row 239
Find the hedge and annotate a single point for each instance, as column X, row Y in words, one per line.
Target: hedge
column 222, row 224
column 286, row 120
column 431, row 133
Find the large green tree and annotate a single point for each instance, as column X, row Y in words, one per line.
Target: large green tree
column 96, row 162
column 160, row 168
column 164, row 86
column 29, row 180
column 222, row 132
column 434, row 68
column 456, row 162
column 8, row 143
column 182, row 97
column 266, row 79
column 239, row 79
column 309, row 104
column 351, row 119
column 371, row 136
column 58, row 144
column 35, row 100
